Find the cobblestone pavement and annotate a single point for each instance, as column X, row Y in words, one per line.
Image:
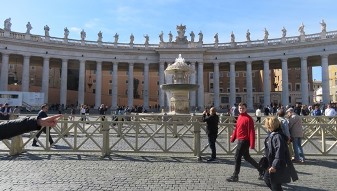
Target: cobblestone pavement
column 132, row 172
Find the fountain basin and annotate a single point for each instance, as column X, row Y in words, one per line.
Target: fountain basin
column 179, row 87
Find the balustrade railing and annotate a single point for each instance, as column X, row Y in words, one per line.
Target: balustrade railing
column 243, row 44
column 164, row 134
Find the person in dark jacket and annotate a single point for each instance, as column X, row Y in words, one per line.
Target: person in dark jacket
column 212, row 120
column 16, row 127
column 42, row 114
column 280, row 168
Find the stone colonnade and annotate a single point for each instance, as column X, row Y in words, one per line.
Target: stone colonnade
column 196, row 98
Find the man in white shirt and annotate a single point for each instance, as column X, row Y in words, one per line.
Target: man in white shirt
column 329, row 111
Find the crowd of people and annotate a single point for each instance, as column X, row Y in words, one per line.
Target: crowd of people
column 283, row 144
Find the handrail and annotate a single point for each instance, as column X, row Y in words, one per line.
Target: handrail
column 183, row 134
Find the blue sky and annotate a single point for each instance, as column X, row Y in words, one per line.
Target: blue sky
column 142, row 17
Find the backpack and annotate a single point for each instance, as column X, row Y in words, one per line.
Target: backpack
column 236, row 111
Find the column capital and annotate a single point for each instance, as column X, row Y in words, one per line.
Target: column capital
column 284, row 59
column 266, row 61
column 304, row 58
column 131, row 63
column 26, row 56
column 325, row 55
column 216, row 63
column 249, row 61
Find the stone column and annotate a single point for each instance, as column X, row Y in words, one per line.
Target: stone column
column 192, row 93
column 81, row 81
column 130, row 85
column 161, row 82
column 64, row 82
column 25, row 74
column 325, row 79
column 304, row 81
column 45, row 78
column 266, row 82
column 201, row 86
column 146, row 86
column 114, row 88
column 285, row 82
column 4, row 72
column 249, row 82
column 216, row 85
column 98, row 92
column 232, row 76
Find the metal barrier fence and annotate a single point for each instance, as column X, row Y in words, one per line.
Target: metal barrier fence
column 156, row 133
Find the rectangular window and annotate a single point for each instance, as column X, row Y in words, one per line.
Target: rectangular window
column 237, row 74
column 211, row 75
column 224, row 99
column 297, row 87
column 110, row 92
column 110, row 81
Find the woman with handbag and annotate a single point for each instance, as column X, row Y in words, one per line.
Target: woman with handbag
column 280, row 168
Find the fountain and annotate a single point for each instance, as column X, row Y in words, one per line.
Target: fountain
column 180, row 88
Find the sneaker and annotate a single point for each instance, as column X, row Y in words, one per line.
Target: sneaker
column 233, row 179
column 261, row 177
column 35, row 145
column 211, row 159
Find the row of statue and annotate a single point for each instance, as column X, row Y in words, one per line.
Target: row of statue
column 180, row 30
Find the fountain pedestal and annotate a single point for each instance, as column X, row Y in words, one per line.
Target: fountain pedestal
column 180, row 88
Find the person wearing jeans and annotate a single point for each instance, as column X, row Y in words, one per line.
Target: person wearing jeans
column 296, row 134
column 212, row 120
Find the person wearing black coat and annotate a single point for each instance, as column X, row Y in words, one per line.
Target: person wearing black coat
column 212, row 120
column 42, row 114
column 279, row 168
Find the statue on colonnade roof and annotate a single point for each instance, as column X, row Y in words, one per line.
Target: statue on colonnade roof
column 7, row 24
column 192, row 36
column 147, row 39
column 116, row 38
column 132, row 38
column 170, row 36
column 201, row 36
column 181, row 30
column 232, row 37
column 323, row 25
column 301, row 29
column 66, row 33
column 83, row 34
column 266, row 34
column 284, row 32
column 29, row 28
column 216, row 38
column 161, row 38
column 46, row 30
column 100, row 36
column 248, row 35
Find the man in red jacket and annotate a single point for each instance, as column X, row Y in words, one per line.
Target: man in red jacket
column 245, row 134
